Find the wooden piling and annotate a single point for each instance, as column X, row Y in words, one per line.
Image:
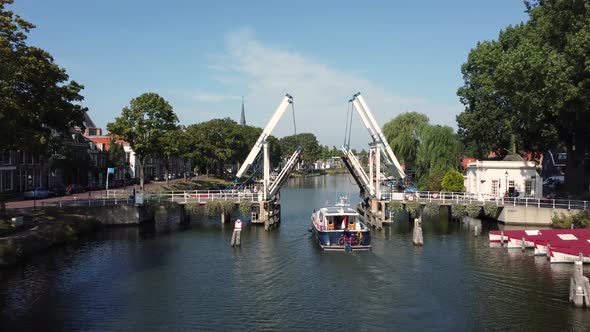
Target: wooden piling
column 418, row 239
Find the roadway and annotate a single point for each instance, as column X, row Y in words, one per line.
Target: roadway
column 96, row 194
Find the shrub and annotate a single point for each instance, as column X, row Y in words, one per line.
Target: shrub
column 433, row 208
column 453, row 181
column 490, row 210
column 213, row 208
column 413, row 208
column 395, row 206
column 227, row 206
column 579, row 219
column 245, row 208
column 434, row 180
column 191, row 207
column 473, row 210
column 458, row 210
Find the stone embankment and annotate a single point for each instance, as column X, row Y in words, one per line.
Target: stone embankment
column 43, row 235
column 56, row 226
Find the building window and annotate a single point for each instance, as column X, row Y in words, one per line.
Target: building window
column 6, row 180
column 6, row 157
column 21, row 157
column 495, row 187
column 528, row 186
column 127, row 156
column 473, row 183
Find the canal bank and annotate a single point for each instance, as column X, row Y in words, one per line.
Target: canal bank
column 53, row 226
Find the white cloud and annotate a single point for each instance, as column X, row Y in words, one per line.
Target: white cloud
column 321, row 92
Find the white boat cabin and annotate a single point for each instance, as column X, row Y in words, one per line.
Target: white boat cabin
column 338, row 218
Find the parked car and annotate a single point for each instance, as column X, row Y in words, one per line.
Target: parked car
column 58, row 189
column 39, row 192
column 75, row 189
column 554, row 181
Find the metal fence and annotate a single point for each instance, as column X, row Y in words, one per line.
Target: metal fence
column 459, row 197
column 117, row 197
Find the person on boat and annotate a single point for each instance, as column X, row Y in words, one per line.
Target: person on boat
column 343, row 225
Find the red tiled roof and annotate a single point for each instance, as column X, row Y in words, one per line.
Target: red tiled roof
column 106, row 140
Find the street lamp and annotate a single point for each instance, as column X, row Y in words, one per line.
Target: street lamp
column 506, row 174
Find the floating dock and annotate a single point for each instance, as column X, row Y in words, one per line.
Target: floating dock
column 561, row 245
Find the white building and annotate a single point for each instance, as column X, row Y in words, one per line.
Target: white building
column 131, row 161
column 501, row 178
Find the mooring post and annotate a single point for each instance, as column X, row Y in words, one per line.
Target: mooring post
column 549, row 251
column 502, row 237
column 522, row 244
column 476, row 231
column 418, row 239
column 579, row 286
column 236, row 236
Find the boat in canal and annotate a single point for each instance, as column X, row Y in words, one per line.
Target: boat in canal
column 339, row 227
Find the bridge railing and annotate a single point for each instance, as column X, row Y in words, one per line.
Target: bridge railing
column 89, row 202
column 204, row 196
column 461, row 197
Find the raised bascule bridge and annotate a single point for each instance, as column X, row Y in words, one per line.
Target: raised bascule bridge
column 254, row 182
column 383, row 165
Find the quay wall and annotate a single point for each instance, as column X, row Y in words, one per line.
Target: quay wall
column 58, row 226
column 22, row 245
column 528, row 215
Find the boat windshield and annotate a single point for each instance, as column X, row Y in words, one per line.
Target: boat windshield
column 343, row 222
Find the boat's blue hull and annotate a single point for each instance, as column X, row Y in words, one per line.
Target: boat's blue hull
column 336, row 240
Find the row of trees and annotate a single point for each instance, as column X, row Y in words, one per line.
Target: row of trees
column 528, row 89
column 151, row 127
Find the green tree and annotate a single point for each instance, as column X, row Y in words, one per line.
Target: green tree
column 434, row 180
column 484, row 126
column 116, row 154
column 539, row 80
column 171, row 144
column 309, row 143
column 35, row 94
column 437, row 152
column 453, row 181
column 147, row 117
column 403, row 134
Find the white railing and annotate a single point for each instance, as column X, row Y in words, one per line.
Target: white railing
column 117, row 197
column 460, row 197
column 204, row 196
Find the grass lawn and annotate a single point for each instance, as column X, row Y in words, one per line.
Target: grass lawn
column 202, row 183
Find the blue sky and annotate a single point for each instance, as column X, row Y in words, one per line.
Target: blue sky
column 202, row 56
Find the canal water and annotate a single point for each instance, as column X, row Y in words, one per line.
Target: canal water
column 168, row 278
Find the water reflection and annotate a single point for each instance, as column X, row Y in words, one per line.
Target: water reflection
column 189, row 278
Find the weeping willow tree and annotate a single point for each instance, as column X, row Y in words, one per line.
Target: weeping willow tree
column 403, row 134
column 437, row 153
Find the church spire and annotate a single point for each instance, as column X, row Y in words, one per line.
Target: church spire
column 243, row 117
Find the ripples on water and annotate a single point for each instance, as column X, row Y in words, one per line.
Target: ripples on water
column 157, row 278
